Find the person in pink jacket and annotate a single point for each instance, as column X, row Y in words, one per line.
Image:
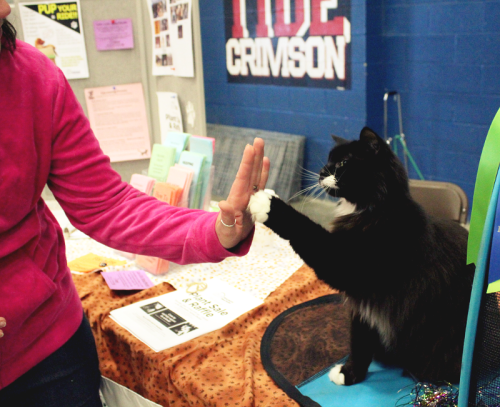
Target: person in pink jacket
column 47, row 351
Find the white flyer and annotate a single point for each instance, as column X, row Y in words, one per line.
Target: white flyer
column 172, row 36
column 170, row 113
column 55, row 29
column 182, row 34
column 177, row 317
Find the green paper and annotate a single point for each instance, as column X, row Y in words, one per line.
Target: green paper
column 486, row 174
column 205, row 146
column 493, row 287
column 194, row 161
column 162, row 158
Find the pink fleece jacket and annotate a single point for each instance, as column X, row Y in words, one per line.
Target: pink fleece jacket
column 45, row 138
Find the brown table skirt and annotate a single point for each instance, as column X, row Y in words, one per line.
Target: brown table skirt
column 221, row 368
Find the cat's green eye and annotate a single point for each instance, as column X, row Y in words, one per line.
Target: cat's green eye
column 341, row 164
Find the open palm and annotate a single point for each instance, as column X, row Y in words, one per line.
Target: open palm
column 252, row 176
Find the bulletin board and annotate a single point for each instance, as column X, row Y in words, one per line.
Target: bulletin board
column 119, row 67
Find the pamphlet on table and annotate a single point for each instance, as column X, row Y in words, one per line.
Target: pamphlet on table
column 177, row 317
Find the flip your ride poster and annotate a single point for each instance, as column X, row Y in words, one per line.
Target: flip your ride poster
column 55, row 29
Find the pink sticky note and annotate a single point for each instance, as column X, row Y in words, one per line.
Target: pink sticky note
column 113, row 34
column 127, row 280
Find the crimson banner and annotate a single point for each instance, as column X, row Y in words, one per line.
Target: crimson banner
column 289, row 42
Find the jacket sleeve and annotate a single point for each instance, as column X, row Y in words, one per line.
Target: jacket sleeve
column 112, row 212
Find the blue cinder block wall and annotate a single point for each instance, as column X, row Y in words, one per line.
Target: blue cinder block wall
column 313, row 112
column 443, row 57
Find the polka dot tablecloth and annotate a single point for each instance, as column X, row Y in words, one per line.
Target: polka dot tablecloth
column 249, row 273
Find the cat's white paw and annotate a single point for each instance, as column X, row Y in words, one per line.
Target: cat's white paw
column 335, row 375
column 259, row 206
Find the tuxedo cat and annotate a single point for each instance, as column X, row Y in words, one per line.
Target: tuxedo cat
column 403, row 272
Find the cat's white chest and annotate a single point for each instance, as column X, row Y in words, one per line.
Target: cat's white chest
column 343, row 208
column 376, row 318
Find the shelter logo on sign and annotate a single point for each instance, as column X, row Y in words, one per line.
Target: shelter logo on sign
column 288, row 42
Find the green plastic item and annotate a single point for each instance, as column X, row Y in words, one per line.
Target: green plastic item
column 485, row 179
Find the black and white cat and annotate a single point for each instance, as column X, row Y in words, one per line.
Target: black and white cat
column 403, row 272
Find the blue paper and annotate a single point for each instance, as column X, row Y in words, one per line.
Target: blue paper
column 178, row 141
column 383, row 387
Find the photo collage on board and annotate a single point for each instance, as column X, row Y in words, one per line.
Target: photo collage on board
column 162, row 40
column 172, row 37
column 179, row 11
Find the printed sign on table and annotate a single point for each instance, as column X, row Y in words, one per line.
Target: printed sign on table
column 171, row 319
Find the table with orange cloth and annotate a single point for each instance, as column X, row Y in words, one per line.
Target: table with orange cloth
column 221, row 368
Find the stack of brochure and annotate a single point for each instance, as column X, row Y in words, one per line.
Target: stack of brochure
column 185, row 161
column 169, row 193
column 180, row 173
column 143, row 183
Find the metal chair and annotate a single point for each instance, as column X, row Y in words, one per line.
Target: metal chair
column 442, row 199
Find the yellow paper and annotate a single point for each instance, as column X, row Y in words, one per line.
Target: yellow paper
column 91, row 262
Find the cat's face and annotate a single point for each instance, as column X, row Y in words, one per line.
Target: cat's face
column 361, row 171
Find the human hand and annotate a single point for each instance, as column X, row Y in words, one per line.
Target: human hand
column 3, row 323
column 251, row 177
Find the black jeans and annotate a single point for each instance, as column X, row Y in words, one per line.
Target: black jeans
column 69, row 377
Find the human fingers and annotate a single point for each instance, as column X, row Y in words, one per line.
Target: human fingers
column 3, row 323
column 229, row 232
column 266, row 165
column 227, row 214
column 239, row 193
column 258, row 145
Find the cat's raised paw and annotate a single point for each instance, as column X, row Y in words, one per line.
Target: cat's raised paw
column 335, row 375
column 259, row 206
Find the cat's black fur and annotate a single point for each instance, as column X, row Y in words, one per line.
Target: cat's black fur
column 403, row 272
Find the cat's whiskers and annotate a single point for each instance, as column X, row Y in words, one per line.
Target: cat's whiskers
column 309, row 175
column 306, row 171
column 303, row 191
column 311, row 190
column 322, row 192
column 311, row 179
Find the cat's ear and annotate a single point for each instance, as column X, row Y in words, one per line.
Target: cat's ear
column 339, row 140
column 370, row 138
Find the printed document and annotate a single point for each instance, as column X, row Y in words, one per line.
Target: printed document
column 171, row 319
column 118, row 118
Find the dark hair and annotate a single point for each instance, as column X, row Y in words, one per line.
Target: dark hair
column 8, row 36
